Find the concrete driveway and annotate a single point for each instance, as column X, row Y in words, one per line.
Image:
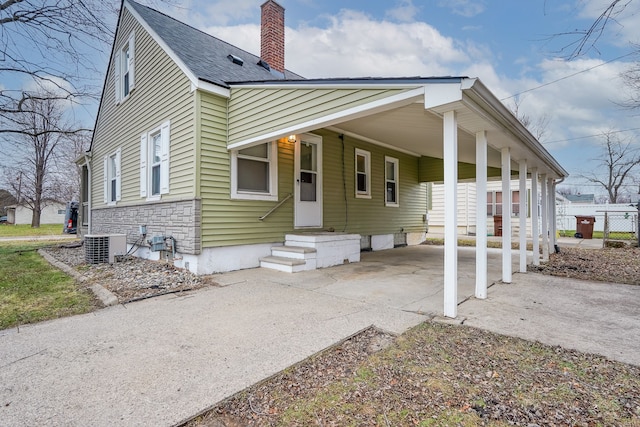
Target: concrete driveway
column 159, row 361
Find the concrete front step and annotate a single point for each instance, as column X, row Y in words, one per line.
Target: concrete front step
column 288, row 265
column 295, row 252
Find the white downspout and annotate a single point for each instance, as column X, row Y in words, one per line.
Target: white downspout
column 87, row 160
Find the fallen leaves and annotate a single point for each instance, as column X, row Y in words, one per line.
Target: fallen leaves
column 615, row 265
column 444, row 376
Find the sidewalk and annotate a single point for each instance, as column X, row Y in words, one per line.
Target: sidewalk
column 60, row 236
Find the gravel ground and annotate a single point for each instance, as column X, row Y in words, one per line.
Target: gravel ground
column 131, row 278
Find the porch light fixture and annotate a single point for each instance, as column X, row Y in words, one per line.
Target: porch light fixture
column 291, row 139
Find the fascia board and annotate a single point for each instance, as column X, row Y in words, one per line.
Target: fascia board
column 211, row 88
column 439, row 94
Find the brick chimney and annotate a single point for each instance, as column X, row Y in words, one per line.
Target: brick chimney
column 272, row 35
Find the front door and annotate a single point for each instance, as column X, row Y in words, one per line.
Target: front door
column 308, row 181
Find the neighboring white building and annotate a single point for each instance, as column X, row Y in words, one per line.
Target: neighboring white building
column 467, row 207
column 51, row 214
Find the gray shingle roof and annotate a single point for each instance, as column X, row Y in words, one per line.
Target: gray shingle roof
column 205, row 55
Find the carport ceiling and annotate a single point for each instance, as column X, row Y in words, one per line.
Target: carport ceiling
column 414, row 129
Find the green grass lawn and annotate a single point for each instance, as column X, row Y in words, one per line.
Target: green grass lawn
column 31, row 290
column 10, row 230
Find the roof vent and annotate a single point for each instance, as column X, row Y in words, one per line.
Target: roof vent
column 264, row 64
column 235, row 59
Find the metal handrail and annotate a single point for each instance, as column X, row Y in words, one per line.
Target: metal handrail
column 276, row 207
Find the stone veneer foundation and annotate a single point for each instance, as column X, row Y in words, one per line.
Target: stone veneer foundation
column 180, row 219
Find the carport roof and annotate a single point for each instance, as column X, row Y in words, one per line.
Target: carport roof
column 411, row 121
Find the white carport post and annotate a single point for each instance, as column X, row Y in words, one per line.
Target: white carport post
column 481, row 215
column 450, row 147
column 535, row 229
column 506, row 215
column 552, row 211
column 545, row 218
column 523, row 214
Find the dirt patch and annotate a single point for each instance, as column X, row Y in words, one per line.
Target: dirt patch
column 615, row 265
column 440, row 375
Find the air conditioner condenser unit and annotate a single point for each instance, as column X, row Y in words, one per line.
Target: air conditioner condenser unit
column 102, row 248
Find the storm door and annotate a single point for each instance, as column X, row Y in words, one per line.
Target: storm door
column 308, row 181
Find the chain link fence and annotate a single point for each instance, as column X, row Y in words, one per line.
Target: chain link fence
column 619, row 226
column 609, row 225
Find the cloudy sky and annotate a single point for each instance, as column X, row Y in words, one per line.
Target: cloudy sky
column 510, row 45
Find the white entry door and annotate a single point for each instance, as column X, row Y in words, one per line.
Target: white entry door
column 308, row 181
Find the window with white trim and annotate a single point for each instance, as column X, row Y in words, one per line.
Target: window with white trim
column 125, row 69
column 363, row 174
column 254, row 172
column 391, row 172
column 154, row 162
column 494, row 203
column 111, row 178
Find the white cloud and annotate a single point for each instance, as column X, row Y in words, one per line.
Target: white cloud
column 355, row 45
column 466, row 8
column 584, row 104
column 406, row 11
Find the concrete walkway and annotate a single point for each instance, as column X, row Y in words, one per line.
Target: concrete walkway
column 159, row 361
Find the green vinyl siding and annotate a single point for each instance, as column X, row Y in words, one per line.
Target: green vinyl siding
column 157, row 79
column 235, row 222
column 432, row 170
column 369, row 216
column 257, row 111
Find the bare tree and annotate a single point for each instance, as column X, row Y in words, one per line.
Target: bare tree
column 41, row 148
column 586, row 39
column 619, row 158
column 53, row 47
column 47, row 45
column 538, row 127
column 631, row 78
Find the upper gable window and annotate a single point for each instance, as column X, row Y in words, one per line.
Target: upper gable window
column 125, row 69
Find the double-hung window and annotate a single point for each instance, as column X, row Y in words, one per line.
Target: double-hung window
column 391, row 181
column 494, row 203
column 154, row 162
column 363, row 174
column 254, row 172
column 125, row 69
column 112, row 178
